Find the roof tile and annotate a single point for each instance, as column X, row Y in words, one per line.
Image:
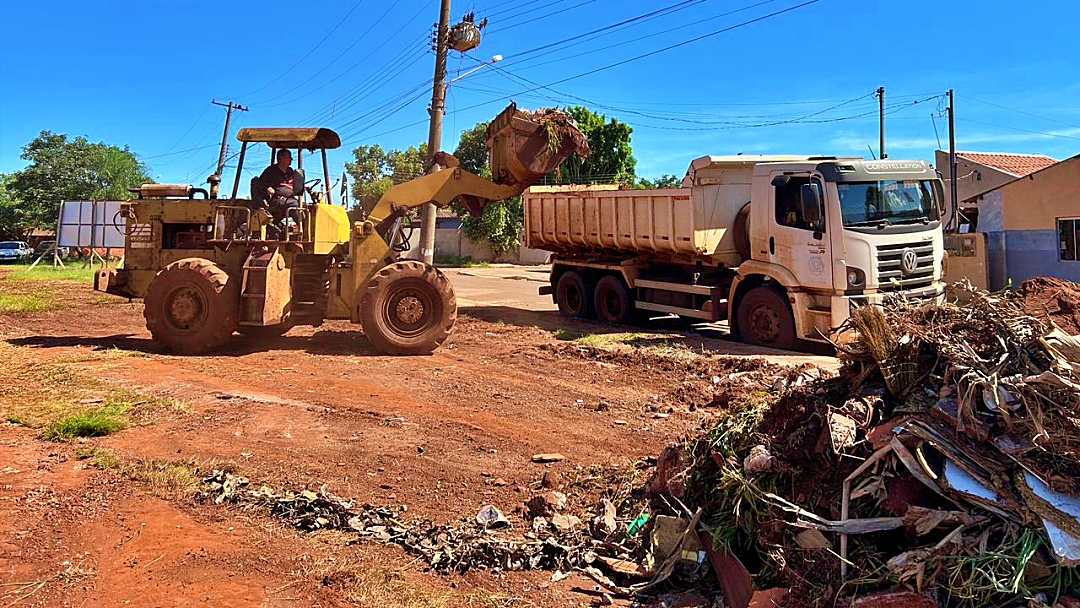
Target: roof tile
column 1015, row 164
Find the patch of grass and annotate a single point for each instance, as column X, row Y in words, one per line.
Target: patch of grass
column 13, row 419
column 361, row 583
column 45, row 272
column 164, row 478
column 91, row 423
column 457, row 261
column 101, row 458
column 26, row 302
column 97, row 354
column 63, row 402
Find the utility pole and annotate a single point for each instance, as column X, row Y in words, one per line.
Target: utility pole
column 438, row 105
column 954, row 220
column 881, row 121
column 224, row 139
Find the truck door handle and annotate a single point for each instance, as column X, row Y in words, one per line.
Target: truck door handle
column 772, row 245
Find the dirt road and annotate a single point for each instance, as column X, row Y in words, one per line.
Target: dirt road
column 434, row 437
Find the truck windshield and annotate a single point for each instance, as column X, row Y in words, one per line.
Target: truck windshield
column 887, row 202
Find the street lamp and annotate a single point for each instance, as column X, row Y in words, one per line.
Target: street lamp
column 493, row 60
column 438, row 102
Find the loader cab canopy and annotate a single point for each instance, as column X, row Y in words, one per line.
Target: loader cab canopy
column 308, row 138
column 289, row 138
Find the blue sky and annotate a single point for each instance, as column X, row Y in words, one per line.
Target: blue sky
column 143, row 74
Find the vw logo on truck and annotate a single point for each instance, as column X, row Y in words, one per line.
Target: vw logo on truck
column 909, row 262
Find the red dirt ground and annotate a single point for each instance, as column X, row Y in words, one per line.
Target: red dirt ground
column 1054, row 298
column 315, row 407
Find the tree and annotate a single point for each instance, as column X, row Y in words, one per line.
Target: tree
column 611, row 159
column 62, row 169
column 666, row 180
column 501, row 222
column 374, row 170
column 15, row 223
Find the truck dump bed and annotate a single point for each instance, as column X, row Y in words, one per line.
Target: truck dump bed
column 693, row 220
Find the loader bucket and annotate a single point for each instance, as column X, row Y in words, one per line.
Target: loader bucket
column 525, row 146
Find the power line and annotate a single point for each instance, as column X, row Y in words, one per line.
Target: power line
column 1043, row 133
column 535, row 19
column 308, row 54
column 358, row 40
column 997, row 105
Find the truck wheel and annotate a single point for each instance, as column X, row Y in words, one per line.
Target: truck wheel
column 765, row 319
column 572, row 295
column 190, row 307
column 611, row 301
column 408, row 308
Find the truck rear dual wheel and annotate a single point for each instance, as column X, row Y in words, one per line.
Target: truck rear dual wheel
column 191, row 307
column 572, row 295
column 408, row 308
column 612, row 301
column 765, row 318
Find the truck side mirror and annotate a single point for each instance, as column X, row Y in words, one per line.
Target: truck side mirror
column 780, row 181
column 810, row 201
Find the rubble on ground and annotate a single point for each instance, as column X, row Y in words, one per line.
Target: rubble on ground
column 940, row 468
column 943, row 463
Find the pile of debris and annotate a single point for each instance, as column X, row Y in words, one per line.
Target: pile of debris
column 940, row 468
column 554, row 540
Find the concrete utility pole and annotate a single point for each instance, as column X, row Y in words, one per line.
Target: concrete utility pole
column 881, row 121
column 225, row 133
column 954, row 220
column 438, row 105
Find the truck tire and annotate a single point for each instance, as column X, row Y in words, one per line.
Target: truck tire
column 572, row 295
column 408, row 308
column 612, row 301
column 765, row 319
column 190, row 307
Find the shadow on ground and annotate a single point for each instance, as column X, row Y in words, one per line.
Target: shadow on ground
column 319, row 343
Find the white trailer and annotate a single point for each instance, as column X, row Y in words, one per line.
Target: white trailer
column 780, row 246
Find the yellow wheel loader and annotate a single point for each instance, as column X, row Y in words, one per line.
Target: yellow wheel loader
column 207, row 267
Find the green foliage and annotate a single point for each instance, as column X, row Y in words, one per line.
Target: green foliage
column 374, row 170
column 61, row 169
column 664, row 181
column 501, row 222
column 611, row 159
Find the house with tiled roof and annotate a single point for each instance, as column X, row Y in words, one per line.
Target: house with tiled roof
column 979, row 172
column 1031, row 224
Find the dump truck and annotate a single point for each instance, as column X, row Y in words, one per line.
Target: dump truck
column 781, row 247
column 208, row 267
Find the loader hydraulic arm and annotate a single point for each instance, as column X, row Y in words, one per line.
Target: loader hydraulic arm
column 440, row 188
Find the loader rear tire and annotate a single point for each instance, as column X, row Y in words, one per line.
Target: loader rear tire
column 408, row 308
column 191, row 307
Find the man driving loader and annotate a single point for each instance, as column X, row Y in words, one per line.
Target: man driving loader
column 279, row 186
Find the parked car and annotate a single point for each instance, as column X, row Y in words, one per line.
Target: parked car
column 45, row 247
column 14, row 251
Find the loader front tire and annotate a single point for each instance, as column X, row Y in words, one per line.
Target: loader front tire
column 408, row 308
column 190, row 306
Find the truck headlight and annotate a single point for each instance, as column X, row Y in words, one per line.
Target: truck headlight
column 855, row 277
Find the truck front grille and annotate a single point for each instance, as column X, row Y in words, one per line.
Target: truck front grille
column 891, row 277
